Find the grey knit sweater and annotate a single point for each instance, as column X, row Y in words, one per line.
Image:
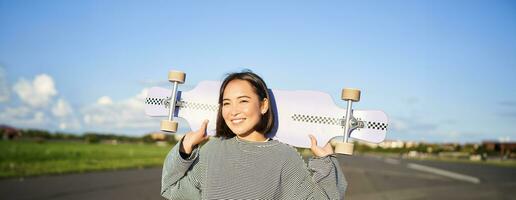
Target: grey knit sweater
column 238, row 169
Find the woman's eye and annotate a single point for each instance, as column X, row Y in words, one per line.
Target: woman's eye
column 244, row 101
column 225, row 104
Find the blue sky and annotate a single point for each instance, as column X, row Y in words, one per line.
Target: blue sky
column 444, row 71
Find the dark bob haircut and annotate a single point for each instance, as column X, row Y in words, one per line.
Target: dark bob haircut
column 260, row 88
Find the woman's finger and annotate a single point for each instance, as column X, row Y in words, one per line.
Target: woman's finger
column 204, row 126
column 316, row 150
column 313, row 140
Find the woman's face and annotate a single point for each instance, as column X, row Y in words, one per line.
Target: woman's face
column 241, row 107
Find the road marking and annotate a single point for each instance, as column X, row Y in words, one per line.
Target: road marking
column 441, row 172
column 392, row 161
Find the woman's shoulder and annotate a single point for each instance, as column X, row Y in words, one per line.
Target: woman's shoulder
column 287, row 150
column 213, row 143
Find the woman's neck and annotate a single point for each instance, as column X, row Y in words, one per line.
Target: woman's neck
column 254, row 137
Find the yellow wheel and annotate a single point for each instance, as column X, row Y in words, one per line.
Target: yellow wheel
column 344, row 148
column 351, row 94
column 169, row 126
column 334, row 141
column 176, row 76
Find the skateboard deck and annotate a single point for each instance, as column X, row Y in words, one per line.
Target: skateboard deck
column 298, row 113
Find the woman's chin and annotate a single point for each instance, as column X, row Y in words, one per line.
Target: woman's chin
column 240, row 133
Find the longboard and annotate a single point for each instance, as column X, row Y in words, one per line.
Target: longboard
column 298, row 113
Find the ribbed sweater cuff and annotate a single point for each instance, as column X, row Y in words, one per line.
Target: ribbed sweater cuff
column 175, row 166
column 190, row 159
column 322, row 167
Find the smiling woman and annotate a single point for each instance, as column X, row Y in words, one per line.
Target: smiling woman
column 240, row 162
column 245, row 110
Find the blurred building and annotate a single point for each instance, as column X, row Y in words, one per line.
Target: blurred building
column 410, row 144
column 9, row 133
column 390, row 144
column 506, row 149
column 449, row 146
column 158, row 136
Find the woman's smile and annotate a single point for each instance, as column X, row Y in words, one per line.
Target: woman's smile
column 237, row 121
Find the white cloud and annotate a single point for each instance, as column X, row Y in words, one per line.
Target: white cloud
column 23, row 117
column 105, row 100
column 504, row 139
column 63, row 126
column 66, row 119
column 39, row 117
column 37, row 93
column 69, row 123
column 398, row 125
column 4, row 89
column 11, row 113
column 137, row 102
column 106, row 114
column 62, row 108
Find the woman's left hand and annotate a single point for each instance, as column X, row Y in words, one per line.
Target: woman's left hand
column 318, row 151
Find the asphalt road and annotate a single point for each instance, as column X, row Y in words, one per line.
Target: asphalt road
column 368, row 177
column 387, row 178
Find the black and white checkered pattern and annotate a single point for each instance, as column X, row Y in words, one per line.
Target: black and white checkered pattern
column 376, row 125
column 335, row 121
column 316, row 119
column 155, row 101
column 200, row 106
column 182, row 104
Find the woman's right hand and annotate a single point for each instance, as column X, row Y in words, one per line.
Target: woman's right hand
column 192, row 138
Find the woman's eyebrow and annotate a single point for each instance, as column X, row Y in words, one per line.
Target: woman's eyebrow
column 243, row 96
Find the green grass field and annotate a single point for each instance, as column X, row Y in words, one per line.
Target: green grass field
column 28, row 158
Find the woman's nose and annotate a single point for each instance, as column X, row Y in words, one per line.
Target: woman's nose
column 235, row 110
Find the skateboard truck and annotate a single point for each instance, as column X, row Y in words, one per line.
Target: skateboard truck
column 176, row 78
column 349, row 95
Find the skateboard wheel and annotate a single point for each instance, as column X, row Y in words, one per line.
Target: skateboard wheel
column 176, row 76
column 351, row 94
column 344, row 148
column 169, row 126
column 333, row 142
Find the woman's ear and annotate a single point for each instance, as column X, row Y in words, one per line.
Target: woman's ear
column 265, row 106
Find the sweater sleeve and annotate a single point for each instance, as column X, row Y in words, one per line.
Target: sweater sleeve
column 180, row 178
column 322, row 179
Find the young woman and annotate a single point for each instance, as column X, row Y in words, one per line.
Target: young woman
column 240, row 162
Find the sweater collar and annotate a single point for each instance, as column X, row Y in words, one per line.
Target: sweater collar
column 269, row 142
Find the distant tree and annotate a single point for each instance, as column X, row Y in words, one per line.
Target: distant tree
column 147, row 138
column 458, row 148
column 65, row 136
column 91, row 138
column 36, row 133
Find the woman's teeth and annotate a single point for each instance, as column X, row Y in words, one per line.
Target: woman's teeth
column 236, row 121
